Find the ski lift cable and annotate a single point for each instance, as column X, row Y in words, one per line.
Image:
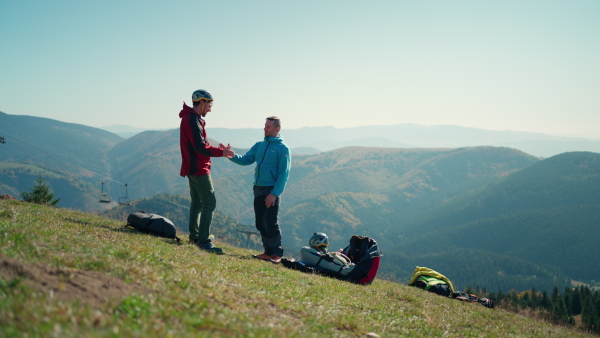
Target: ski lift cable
column 58, row 159
column 177, row 204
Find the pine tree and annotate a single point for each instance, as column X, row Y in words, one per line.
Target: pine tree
column 576, row 303
column 535, row 299
column 40, row 194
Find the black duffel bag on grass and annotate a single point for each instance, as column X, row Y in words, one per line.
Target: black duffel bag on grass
column 152, row 224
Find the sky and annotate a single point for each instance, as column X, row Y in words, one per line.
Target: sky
column 500, row 65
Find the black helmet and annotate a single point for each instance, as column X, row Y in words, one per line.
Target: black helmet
column 200, row 95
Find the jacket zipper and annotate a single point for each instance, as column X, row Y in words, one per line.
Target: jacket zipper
column 263, row 159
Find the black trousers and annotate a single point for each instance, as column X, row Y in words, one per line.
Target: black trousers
column 267, row 221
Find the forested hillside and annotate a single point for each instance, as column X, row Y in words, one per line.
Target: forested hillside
column 72, row 158
column 546, row 214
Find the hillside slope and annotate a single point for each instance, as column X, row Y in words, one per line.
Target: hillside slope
column 79, row 148
column 154, row 287
column 319, row 194
column 73, row 159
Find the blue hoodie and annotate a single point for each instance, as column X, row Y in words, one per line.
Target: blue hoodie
column 273, row 160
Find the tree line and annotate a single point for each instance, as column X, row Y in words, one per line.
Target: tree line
column 577, row 307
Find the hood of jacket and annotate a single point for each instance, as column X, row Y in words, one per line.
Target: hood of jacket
column 187, row 110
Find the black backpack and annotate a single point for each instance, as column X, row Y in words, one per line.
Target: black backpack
column 152, row 224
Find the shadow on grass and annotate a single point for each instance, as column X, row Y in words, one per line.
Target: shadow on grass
column 123, row 229
column 240, row 256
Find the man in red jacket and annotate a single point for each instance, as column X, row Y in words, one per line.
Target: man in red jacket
column 196, row 152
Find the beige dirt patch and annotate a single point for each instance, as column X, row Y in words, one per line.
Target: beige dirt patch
column 66, row 284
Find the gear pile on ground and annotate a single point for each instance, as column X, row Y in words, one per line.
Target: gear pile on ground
column 433, row 281
column 357, row 263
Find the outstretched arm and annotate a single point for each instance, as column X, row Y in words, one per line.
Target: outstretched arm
column 227, row 152
column 247, row 159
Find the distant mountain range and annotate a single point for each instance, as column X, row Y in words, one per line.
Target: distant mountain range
column 123, row 130
column 312, row 140
column 488, row 216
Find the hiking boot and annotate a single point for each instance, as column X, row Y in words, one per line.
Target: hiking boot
column 193, row 241
column 208, row 246
column 262, row 256
column 275, row 259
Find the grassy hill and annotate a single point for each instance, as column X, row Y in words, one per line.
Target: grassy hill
column 69, row 273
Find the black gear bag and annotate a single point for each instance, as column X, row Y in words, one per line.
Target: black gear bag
column 152, row 224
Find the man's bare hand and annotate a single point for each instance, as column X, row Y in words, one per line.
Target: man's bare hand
column 228, row 153
column 270, row 200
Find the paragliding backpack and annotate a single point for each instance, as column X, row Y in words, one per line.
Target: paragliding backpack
column 152, row 224
column 335, row 263
column 432, row 281
column 365, row 254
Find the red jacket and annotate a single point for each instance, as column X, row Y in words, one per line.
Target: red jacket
column 195, row 149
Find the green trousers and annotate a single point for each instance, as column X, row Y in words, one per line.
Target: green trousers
column 203, row 204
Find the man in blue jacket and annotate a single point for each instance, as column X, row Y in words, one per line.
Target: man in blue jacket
column 273, row 158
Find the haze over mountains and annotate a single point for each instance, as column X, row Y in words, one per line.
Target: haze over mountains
column 491, row 216
column 310, row 140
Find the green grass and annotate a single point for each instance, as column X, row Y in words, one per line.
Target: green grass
column 196, row 294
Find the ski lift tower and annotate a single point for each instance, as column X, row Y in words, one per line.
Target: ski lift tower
column 248, row 230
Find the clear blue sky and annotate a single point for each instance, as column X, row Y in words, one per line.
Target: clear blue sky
column 501, row 65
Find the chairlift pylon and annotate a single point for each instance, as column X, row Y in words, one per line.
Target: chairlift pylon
column 125, row 200
column 249, row 230
column 104, row 197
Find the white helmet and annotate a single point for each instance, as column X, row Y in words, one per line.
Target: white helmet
column 319, row 241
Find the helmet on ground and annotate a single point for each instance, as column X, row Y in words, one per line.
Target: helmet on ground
column 319, row 241
column 201, row 94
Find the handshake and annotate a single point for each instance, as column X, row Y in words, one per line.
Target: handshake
column 227, row 152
